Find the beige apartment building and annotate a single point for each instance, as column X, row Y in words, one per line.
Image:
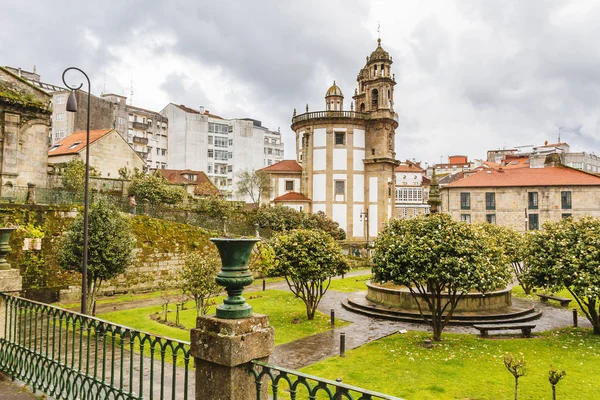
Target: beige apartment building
column 347, row 158
column 523, row 198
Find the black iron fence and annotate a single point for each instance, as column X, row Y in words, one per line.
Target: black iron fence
column 68, row 355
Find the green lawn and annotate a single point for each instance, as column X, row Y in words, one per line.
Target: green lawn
column 468, row 367
column 517, row 291
column 350, row 284
column 282, row 307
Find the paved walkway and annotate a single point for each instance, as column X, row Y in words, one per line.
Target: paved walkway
column 10, row 390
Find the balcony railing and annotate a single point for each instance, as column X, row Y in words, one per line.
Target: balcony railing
column 140, row 125
column 329, row 114
column 141, row 140
column 142, row 154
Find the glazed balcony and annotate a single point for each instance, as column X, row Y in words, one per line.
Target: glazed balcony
column 140, row 140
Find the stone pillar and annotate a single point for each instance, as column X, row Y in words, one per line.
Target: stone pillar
column 10, row 280
column 30, row 193
column 222, row 349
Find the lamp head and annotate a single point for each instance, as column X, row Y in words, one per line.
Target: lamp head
column 72, row 102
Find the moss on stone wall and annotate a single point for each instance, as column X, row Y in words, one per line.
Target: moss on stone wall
column 160, row 247
column 25, row 100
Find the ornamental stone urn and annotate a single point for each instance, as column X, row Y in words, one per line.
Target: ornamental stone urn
column 4, row 247
column 234, row 275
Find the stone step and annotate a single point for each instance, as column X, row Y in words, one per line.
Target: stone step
column 522, row 315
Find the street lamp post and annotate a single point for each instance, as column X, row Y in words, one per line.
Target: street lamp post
column 72, row 107
column 364, row 216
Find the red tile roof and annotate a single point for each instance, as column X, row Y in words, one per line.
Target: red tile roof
column 204, row 187
column 408, row 168
column 519, row 177
column 76, row 142
column 292, row 196
column 283, row 166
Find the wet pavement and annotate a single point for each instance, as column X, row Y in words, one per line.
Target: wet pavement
column 363, row 329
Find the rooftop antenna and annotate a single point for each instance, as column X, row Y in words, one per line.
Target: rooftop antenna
column 559, row 129
column 131, row 91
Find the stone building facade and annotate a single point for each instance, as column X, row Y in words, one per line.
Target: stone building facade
column 24, row 127
column 348, row 157
column 523, row 198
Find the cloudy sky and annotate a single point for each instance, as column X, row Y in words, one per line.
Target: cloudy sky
column 471, row 75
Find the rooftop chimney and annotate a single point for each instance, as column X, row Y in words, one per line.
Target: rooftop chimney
column 201, row 109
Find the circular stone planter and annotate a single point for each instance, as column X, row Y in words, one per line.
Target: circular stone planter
column 400, row 297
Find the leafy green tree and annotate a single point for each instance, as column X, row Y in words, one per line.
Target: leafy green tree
column 515, row 248
column 566, row 254
column 308, row 259
column 253, row 185
column 262, row 260
column 73, row 175
column 198, row 275
column 110, row 247
column 440, row 261
column 281, row 218
column 155, row 189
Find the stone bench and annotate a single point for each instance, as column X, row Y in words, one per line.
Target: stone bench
column 563, row 300
column 525, row 328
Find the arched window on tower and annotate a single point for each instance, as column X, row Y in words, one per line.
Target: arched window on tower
column 375, row 70
column 362, row 107
column 375, row 99
column 382, row 70
column 389, row 98
column 338, row 106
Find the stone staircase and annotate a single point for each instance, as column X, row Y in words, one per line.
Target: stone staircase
column 519, row 311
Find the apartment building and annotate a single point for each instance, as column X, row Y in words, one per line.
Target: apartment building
column 201, row 141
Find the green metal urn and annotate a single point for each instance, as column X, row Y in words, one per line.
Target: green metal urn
column 234, row 275
column 4, row 247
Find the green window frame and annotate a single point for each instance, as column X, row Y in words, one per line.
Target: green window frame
column 534, row 222
column 532, row 200
column 566, row 200
column 490, row 201
column 465, row 201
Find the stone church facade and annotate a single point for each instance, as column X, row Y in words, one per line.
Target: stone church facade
column 347, row 157
column 24, row 125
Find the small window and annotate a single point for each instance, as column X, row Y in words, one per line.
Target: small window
column 210, row 139
column 339, row 138
column 566, row 200
column 210, row 153
column 229, row 168
column 465, row 201
column 532, row 200
column 490, row 219
column 340, row 188
column 490, row 201
column 56, row 146
column 373, row 152
column 465, row 218
column 534, row 222
column 565, row 216
column 289, row 185
column 74, row 145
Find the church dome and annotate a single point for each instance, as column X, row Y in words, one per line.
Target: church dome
column 379, row 54
column 334, row 90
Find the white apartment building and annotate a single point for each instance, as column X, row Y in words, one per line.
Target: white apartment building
column 201, row 141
